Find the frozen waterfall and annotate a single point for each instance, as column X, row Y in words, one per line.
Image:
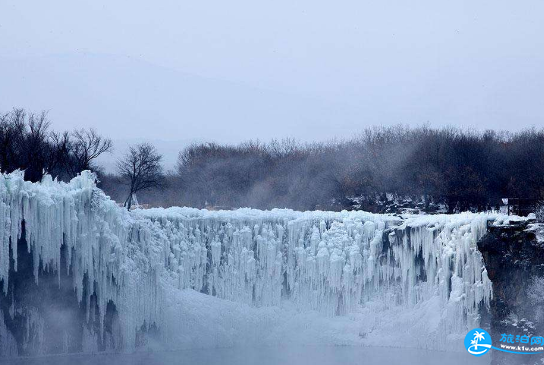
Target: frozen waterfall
column 332, row 263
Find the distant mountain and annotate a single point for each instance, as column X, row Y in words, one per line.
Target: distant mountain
column 126, row 98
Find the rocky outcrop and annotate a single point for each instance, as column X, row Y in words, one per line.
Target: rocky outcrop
column 514, row 258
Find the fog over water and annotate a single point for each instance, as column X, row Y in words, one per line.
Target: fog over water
column 302, row 355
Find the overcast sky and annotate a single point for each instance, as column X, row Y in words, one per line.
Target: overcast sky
column 233, row 70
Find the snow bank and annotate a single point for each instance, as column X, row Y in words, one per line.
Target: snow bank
column 335, row 264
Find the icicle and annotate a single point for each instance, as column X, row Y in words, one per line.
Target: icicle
column 325, row 261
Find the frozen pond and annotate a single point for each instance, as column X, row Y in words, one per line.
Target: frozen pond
column 266, row 356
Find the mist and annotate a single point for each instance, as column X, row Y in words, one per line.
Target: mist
column 288, row 355
column 454, row 168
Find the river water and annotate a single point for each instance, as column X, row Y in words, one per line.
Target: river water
column 310, row 355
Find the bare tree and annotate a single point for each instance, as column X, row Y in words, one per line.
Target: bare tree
column 61, row 159
column 140, row 169
column 34, row 148
column 26, row 143
column 87, row 145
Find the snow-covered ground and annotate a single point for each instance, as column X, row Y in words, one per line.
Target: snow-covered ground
column 250, row 278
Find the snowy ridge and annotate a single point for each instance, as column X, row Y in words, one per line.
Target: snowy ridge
column 333, row 263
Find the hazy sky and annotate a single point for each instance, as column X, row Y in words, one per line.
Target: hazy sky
column 307, row 69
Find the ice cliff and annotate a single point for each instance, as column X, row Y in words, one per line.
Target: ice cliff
column 123, row 268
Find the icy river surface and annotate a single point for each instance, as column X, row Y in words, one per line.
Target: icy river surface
column 313, row 355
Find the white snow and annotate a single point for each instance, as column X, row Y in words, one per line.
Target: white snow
column 538, row 230
column 362, row 278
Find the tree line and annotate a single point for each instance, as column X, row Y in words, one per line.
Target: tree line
column 28, row 144
column 461, row 169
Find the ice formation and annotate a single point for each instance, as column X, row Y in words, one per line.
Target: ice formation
column 334, row 263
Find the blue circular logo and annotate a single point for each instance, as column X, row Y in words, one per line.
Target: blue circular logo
column 478, row 342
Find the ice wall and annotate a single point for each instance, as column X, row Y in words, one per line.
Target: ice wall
column 333, row 263
column 109, row 250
